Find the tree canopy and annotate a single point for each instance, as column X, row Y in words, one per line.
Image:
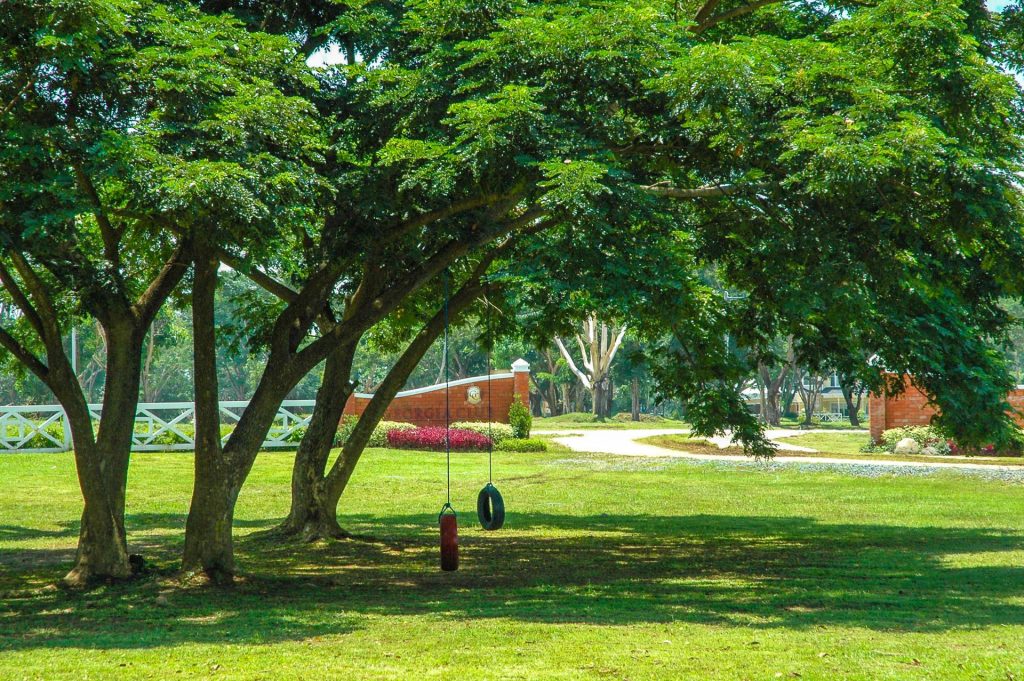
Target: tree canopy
column 843, row 174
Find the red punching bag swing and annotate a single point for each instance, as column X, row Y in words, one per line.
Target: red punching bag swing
column 447, row 518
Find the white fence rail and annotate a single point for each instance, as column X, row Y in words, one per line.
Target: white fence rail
column 159, row 426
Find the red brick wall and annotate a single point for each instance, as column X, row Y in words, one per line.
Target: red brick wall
column 428, row 408
column 912, row 409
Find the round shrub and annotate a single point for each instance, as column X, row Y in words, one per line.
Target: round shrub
column 521, row 445
column 924, row 436
column 433, row 438
column 520, row 418
column 379, row 438
column 495, row 431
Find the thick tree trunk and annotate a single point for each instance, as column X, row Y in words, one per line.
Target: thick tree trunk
column 219, row 478
column 598, row 401
column 101, row 459
column 310, row 517
column 103, row 463
column 208, row 541
column 772, row 411
column 208, row 544
column 120, row 402
column 634, row 390
column 102, row 546
column 102, row 549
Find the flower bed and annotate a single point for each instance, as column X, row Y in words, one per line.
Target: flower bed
column 433, row 438
column 495, row 431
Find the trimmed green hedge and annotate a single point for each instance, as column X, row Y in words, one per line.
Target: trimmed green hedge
column 380, row 433
column 521, row 445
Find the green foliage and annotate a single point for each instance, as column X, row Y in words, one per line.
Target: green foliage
column 497, row 431
column 379, row 438
column 521, row 445
column 926, row 436
column 520, row 418
column 38, row 441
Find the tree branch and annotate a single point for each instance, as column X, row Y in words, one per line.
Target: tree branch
column 615, row 348
column 705, row 11
column 149, row 303
column 111, row 237
column 14, row 100
column 25, row 356
column 257, row 276
column 710, row 21
column 572, row 365
column 414, row 223
column 21, row 300
column 708, row 191
column 47, row 316
column 374, row 309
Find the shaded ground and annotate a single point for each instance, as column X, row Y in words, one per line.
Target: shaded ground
column 609, row 568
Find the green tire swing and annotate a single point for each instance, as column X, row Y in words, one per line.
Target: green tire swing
column 490, row 506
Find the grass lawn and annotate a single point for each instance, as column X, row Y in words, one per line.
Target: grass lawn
column 618, row 422
column 609, row 568
column 846, row 444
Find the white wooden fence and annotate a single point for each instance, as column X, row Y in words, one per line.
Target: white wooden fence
column 159, row 426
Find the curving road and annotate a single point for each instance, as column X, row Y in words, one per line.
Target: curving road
column 624, row 443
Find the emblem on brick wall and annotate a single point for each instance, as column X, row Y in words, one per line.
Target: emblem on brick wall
column 473, row 395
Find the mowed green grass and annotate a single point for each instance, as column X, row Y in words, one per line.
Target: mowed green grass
column 608, row 568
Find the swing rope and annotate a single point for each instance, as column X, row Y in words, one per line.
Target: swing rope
column 490, row 418
column 447, row 407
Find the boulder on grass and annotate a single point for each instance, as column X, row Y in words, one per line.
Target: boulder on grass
column 908, row 445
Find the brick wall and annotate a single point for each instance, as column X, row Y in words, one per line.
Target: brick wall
column 426, row 406
column 912, row 409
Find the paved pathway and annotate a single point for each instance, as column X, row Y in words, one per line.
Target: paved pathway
column 624, row 443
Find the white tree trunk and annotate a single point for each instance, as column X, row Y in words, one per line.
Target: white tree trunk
column 598, row 343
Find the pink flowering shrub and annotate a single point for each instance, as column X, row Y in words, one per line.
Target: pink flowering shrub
column 432, row 438
column 987, row 450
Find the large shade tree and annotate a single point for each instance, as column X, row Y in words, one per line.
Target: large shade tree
column 126, row 126
column 792, row 122
column 582, row 156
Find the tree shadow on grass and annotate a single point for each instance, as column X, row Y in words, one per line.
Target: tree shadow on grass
column 761, row 572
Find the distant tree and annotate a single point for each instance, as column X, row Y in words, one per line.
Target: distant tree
column 598, row 342
column 853, row 390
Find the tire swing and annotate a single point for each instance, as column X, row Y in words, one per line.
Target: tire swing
column 490, row 507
